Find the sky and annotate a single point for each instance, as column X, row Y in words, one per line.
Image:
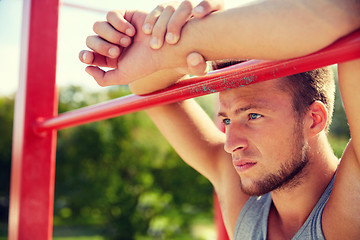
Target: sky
column 74, row 26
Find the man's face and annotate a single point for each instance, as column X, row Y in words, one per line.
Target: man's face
column 264, row 136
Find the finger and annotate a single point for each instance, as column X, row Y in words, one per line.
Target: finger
column 110, row 34
column 159, row 30
column 95, row 59
column 177, row 21
column 86, row 57
column 196, row 64
column 206, row 7
column 96, row 73
column 103, row 47
column 151, row 19
column 105, row 78
column 117, row 20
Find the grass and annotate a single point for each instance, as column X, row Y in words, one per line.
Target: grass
column 203, row 229
column 66, row 233
column 77, row 233
column 79, row 238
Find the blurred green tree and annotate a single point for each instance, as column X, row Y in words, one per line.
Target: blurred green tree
column 120, row 173
column 339, row 126
column 339, row 133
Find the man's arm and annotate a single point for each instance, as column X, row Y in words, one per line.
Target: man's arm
column 341, row 214
column 273, row 29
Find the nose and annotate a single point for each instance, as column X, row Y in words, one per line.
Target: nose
column 235, row 140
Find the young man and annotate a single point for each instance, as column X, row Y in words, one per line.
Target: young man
column 275, row 144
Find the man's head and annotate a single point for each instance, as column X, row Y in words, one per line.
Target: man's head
column 269, row 126
column 306, row 87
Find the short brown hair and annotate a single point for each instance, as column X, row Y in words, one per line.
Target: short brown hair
column 311, row 86
column 306, row 87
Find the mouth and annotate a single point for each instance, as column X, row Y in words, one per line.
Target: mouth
column 243, row 164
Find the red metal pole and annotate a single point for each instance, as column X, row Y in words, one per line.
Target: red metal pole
column 219, row 221
column 239, row 75
column 33, row 155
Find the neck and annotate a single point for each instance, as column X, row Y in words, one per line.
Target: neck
column 292, row 206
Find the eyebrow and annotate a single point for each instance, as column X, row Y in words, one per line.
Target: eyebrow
column 261, row 105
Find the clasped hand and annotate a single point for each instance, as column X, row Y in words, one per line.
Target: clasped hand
column 132, row 43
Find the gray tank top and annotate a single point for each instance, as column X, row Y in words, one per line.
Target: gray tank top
column 252, row 221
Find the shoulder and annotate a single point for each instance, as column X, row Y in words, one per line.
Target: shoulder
column 312, row 228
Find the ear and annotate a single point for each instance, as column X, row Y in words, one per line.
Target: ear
column 316, row 118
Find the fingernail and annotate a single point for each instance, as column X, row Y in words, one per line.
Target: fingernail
column 129, row 32
column 113, row 52
column 199, row 9
column 84, row 56
column 147, row 28
column 170, row 38
column 155, row 43
column 124, row 42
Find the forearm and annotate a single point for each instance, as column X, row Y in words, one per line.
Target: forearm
column 156, row 81
column 273, row 29
column 349, row 77
column 184, row 124
column 192, row 134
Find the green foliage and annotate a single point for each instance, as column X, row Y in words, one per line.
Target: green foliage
column 339, row 127
column 338, row 144
column 77, row 233
column 122, row 174
column 339, row 133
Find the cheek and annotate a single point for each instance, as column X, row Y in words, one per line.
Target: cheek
column 276, row 144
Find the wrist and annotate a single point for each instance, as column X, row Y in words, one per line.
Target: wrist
column 156, row 81
column 174, row 56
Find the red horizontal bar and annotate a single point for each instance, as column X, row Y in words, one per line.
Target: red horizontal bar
column 242, row 74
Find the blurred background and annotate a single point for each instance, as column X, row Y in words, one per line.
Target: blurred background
column 115, row 179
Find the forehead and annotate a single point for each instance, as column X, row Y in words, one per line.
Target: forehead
column 267, row 94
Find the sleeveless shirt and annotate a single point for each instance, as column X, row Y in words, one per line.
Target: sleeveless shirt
column 253, row 218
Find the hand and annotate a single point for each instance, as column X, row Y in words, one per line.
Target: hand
column 111, row 49
column 128, row 63
column 166, row 20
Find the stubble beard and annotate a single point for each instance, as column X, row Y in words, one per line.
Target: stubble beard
column 290, row 173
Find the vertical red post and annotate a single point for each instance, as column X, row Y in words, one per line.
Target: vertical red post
column 219, row 221
column 33, row 155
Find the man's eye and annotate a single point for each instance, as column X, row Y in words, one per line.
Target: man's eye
column 226, row 121
column 253, row 116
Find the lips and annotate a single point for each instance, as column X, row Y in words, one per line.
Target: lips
column 243, row 164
